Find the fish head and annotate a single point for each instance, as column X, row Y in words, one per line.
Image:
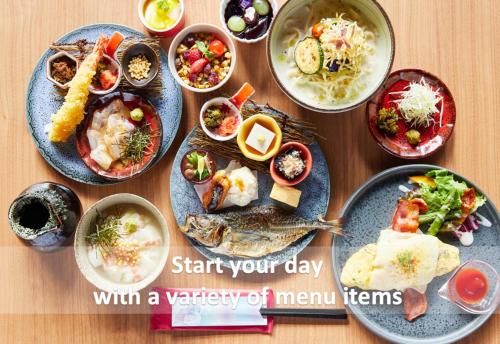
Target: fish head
column 207, row 230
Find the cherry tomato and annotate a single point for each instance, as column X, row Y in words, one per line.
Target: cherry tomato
column 405, row 218
column 217, row 48
column 317, row 30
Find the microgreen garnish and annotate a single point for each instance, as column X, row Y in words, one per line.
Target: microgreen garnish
column 106, row 234
column 163, row 5
column 202, row 47
column 135, row 146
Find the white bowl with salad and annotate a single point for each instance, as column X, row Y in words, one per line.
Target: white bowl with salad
column 330, row 56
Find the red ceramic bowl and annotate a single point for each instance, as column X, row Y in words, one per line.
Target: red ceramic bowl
column 168, row 32
column 433, row 137
column 306, row 154
column 123, row 172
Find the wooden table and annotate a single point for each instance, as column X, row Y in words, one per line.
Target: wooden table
column 44, row 297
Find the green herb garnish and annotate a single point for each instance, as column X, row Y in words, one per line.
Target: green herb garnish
column 406, row 262
column 106, row 234
column 163, row 5
column 202, row 47
column 135, row 146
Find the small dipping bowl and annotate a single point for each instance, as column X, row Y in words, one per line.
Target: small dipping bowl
column 234, row 103
column 245, row 129
column 222, row 16
column 213, row 166
column 87, row 223
column 135, row 50
column 62, row 55
column 305, row 153
column 115, row 66
column 167, row 32
column 491, row 299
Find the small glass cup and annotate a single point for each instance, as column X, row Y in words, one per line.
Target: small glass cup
column 488, row 303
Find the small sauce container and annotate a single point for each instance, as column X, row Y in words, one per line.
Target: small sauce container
column 167, row 32
column 474, row 287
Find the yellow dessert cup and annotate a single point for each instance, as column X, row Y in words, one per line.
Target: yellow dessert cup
column 247, row 125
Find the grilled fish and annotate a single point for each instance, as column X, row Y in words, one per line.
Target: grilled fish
column 253, row 232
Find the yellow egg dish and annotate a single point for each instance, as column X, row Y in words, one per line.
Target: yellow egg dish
column 399, row 261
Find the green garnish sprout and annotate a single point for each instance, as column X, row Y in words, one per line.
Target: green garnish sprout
column 135, row 146
column 106, row 234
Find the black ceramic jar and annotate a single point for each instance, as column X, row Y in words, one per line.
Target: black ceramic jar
column 45, row 216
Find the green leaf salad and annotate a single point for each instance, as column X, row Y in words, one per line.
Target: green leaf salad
column 450, row 202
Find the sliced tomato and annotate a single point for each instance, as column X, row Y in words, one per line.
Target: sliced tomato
column 113, row 44
column 317, row 30
column 405, row 218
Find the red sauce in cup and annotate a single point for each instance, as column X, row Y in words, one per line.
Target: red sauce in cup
column 471, row 285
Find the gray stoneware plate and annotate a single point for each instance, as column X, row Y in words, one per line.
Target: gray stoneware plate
column 368, row 211
column 313, row 202
column 42, row 101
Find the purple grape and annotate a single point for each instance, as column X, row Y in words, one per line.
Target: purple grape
column 207, row 68
column 213, row 79
column 185, row 55
column 192, row 77
column 189, row 40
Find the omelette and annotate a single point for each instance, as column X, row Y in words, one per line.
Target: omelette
column 399, row 261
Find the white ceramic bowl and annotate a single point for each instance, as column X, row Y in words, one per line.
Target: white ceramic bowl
column 81, row 246
column 222, row 10
column 380, row 62
column 206, row 28
column 216, row 101
column 116, row 67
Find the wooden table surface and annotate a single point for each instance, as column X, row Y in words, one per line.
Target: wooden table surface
column 45, row 298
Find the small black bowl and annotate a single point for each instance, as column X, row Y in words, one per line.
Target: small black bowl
column 136, row 50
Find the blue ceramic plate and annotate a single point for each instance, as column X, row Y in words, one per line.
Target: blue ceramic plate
column 368, row 211
column 42, row 101
column 313, row 202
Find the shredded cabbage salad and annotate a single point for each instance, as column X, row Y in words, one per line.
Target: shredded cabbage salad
column 418, row 104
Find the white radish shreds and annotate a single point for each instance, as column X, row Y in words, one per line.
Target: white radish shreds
column 418, row 104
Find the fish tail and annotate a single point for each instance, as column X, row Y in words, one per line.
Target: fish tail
column 332, row 226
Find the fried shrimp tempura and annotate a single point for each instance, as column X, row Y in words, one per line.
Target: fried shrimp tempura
column 71, row 113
